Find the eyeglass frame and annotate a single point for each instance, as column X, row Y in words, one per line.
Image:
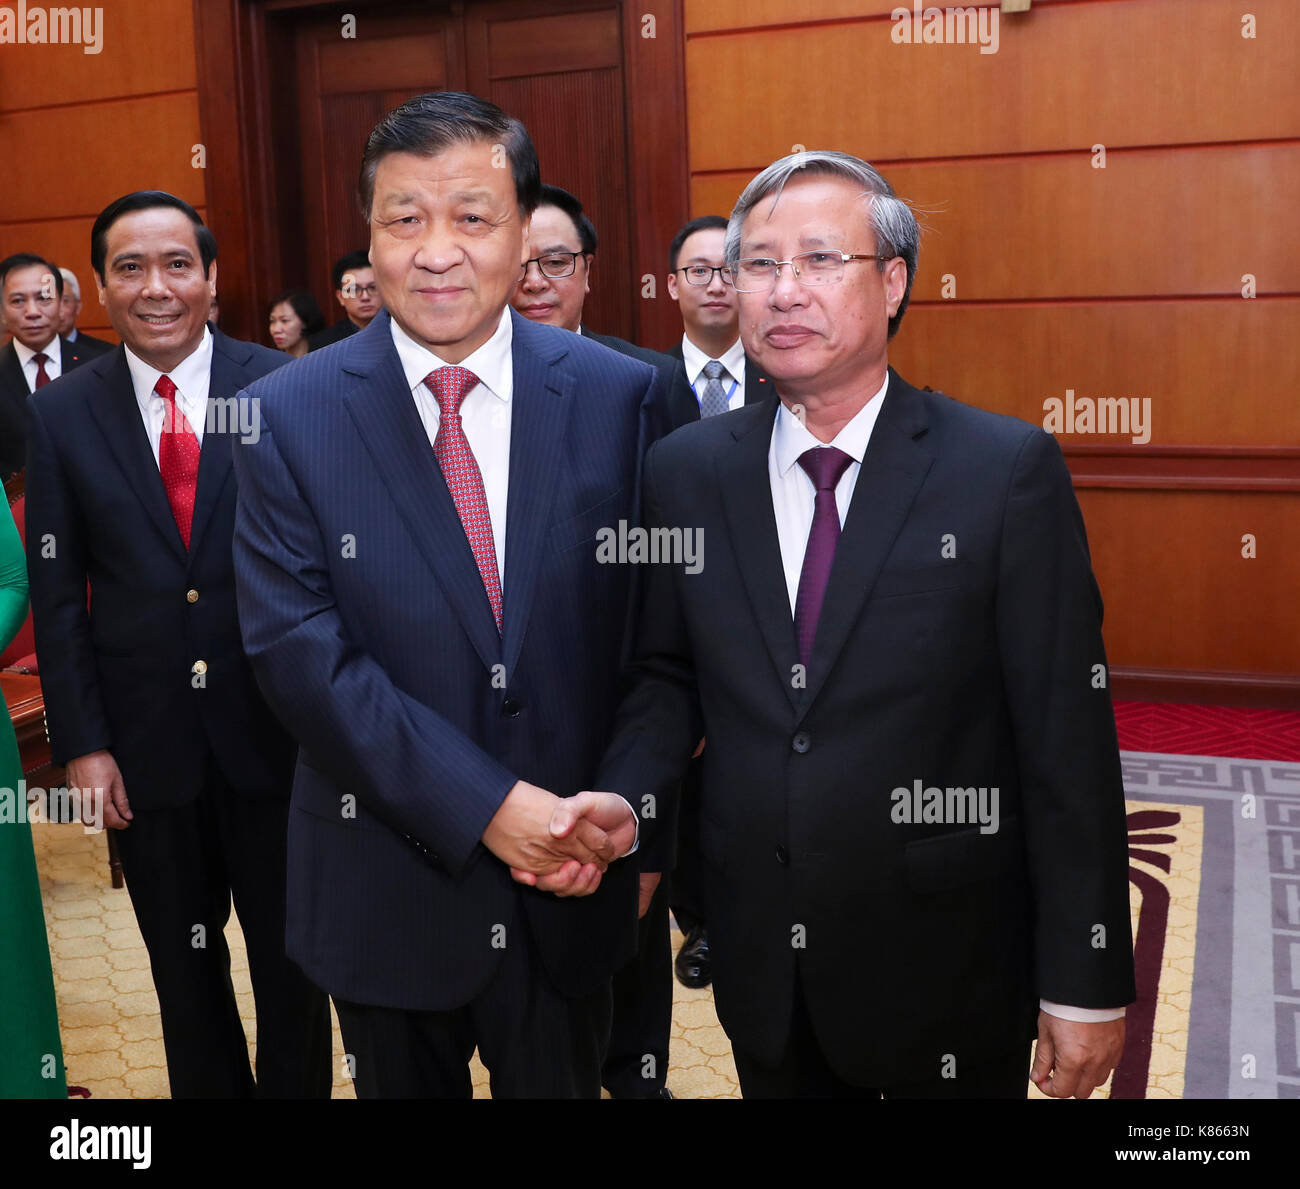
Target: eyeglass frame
column 721, row 269
column 845, row 258
column 537, row 260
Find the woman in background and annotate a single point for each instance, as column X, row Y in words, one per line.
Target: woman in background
column 294, row 316
column 31, row 1055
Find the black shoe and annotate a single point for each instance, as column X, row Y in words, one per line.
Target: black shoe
column 693, row 966
column 662, row 1092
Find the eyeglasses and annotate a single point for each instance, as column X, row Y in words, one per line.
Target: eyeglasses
column 759, row 273
column 554, row 265
column 702, row 274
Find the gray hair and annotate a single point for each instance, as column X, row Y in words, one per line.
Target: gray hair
column 895, row 227
column 70, row 282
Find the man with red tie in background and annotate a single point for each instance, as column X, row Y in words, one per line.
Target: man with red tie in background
column 149, row 698
column 32, row 292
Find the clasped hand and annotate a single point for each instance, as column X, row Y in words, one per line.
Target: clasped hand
column 560, row 844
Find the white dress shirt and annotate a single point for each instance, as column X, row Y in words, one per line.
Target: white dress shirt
column 793, row 496
column 793, row 493
column 733, row 359
column 484, row 413
column 191, row 377
column 53, row 351
column 485, row 418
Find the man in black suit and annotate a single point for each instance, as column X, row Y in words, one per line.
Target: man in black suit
column 356, row 292
column 912, row 811
column 553, row 289
column 31, row 289
column 719, row 375
column 149, row 699
column 70, row 311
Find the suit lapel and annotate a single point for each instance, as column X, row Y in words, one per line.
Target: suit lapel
column 226, row 376
column 747, row 499
column 118, row 416
column 13, row 381
column 542, row 402
column 380, row 404
column 893, row 470
column 757, row 386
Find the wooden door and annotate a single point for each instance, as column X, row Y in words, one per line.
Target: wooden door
column 345, row 87
column 559, row 68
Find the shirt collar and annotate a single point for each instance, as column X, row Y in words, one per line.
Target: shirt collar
column 52, row 350
column 491, row 363
column 733, row 359
column 189, row 376
column 790, row 437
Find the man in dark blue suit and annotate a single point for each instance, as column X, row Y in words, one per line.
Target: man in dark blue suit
column 424, row 603
column 148, row 695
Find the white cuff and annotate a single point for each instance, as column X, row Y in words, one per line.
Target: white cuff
column 631, row 850
column 1082, row 1015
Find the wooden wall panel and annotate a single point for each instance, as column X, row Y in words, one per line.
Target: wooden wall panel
column 97, row 152
column 1122, row 282
column 1151, row 223
column 1126, row 72
column 147, row 47
column 1179, row 594
column 1217, row 372
column 704, row 15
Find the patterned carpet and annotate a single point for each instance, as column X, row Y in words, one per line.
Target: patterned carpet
column 1215, row 869
column 1208, row 731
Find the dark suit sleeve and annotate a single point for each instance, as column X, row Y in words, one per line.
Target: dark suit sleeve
column 405, row 762
column 1049, row 615
column 658, row 723
column 56, row 564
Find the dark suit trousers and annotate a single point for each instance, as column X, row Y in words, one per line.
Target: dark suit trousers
column 535, row 1042
column 805, row 1073
column 685, row 892
column 636, row 1065
column 182, row 866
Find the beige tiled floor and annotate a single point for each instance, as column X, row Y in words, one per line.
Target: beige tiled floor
column 112, row 1036
column 108, row 1012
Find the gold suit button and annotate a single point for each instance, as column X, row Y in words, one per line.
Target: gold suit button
column 199, row 667
column 191, row 596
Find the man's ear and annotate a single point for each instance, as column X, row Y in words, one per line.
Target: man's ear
column 672, row 285
column 895, row 284
column 212, row 279
column 99, row 288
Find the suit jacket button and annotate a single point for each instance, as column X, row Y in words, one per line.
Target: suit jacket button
column 511, row 707
column 191, row 596
column 782, row 856
column 801, row 742
column 199, row 667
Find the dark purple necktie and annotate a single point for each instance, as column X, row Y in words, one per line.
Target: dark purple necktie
column 824, row 466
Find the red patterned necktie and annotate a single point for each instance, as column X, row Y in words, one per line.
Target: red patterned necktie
column 42, row 376
column 178, row 459
column 449, row 386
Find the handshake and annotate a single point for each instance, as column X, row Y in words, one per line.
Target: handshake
column 560, row 844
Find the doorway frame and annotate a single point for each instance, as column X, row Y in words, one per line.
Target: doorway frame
column 243, row 180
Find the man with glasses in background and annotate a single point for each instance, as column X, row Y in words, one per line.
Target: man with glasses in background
column 556, row 280
column 912, row 812
column 719, row 375
column 356, row 291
